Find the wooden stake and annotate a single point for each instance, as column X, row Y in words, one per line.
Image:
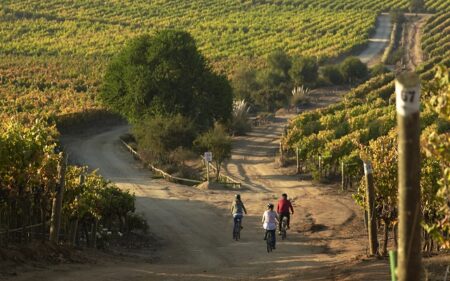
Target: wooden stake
column 371, row 212
column 55, row 223
column 407, row 88
column 207, row 170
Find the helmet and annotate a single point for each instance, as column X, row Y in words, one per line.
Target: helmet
column 284, row 195
column 270, row 205
column 238, row 196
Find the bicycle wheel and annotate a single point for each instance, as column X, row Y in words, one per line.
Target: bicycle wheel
column 269, row 242
column 237, row 230
column 284, row 229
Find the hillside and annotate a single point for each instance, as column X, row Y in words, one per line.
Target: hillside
column 368, row 111
column 54, row 52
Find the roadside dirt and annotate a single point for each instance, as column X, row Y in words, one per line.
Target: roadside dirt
column 413, row 37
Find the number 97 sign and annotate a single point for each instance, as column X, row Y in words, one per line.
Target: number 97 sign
column 407, row 90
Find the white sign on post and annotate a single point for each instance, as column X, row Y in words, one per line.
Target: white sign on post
column 367, row 168
column 407, row 95
column 208, row 156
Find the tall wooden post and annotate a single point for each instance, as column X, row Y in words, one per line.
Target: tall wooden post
column 207, row 170
column 407, row 88
column 371, row 212
column 320, row 166
column 55, row 223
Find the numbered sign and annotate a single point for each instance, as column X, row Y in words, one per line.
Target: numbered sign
column 407, row 91
column 208, row 156
column 367, row 168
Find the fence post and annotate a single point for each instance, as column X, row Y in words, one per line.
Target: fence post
column 320, row 166
column 370, row 201
column 55, row 223
column 407, row 88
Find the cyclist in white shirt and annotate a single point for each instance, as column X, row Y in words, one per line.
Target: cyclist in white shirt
column 270, row 220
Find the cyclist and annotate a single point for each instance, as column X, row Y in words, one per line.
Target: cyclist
column 270, row 221
column 238, row 209
column 283, row 207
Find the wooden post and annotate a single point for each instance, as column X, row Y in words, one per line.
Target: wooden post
column 55, row 223
column 298, row 160
column 407, row 88
column 281, row 152
column 320, row 166
column 370, row 201
column 207, row 170
column 342, row 176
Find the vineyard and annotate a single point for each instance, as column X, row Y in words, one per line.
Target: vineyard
column 54, row 52
column 362, row 127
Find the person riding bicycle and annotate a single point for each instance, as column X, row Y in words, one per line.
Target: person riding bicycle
column 238, row 209
column 283, row 207
column 270, row 221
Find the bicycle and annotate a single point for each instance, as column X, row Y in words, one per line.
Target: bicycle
column 284, row 228
column 237, row 230
column 270, row 242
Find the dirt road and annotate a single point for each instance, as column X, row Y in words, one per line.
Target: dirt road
column 412, row 39
column 378, row 42
column 325, row 241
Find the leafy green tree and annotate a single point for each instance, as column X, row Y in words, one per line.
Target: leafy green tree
column 217, row 141
column 353, row 70
column 165, row 74
column 304, row 70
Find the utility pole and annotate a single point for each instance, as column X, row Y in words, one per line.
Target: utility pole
column 55, row 223
column 370, row 201
column 407, row 89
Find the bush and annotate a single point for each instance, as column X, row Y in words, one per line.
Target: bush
column 218, row 142
column 304, row 71
column 159, row 135
column 378, row 70
column 240, row 123
column 332, row 74
column 353, row 70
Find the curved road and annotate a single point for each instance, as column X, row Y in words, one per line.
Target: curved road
column 195, row 227
column 325, row 242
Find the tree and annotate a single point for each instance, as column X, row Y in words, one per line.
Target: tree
column 353, row 70
column 166, row 75
column 304, row 70
column 217, row 141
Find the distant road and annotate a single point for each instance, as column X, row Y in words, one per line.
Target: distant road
column 378, row 42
